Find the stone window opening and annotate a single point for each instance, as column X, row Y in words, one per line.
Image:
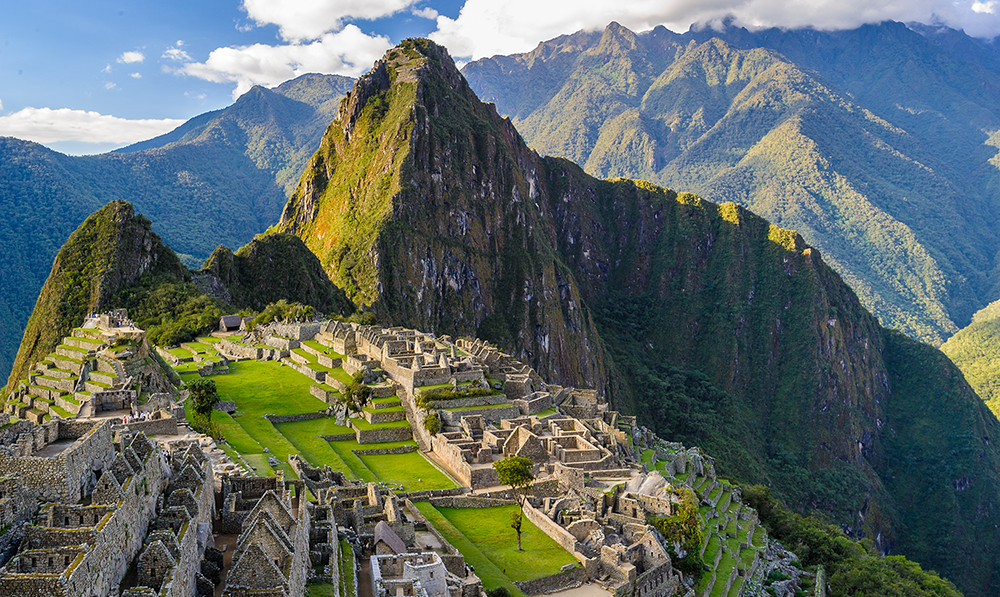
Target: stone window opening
column 65, row 560
column 152, row 572
column 67, row 521
column 34, row 562
column 50, row 562
column 81, row 519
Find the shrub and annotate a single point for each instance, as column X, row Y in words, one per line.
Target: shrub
column 432, row 423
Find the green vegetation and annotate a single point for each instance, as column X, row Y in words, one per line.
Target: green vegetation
column 204, row 396
column 483, row 537
column 248, row 275
column 88, row 274
column 221, row 178
column 515, row 472
column 765, row 120
column 853, row 567
column 685, row 528
column 976, row 351
column 348, row 572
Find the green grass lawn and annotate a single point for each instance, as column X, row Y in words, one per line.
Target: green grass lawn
column 209, row 340
column 259, row 388
column 199, row 346
column 305, row 436
column 386, row 400
column 412, row 470
column 491, row 575
column 345, row 449
column 324, row 349
column 494, row 554
column 348, row 570
column 320, row 590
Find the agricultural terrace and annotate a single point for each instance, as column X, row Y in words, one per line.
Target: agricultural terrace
column 260, row 388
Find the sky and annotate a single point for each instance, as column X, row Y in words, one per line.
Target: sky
column 87, row 77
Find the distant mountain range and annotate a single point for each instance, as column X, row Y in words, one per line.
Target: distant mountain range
column 222, row 177
column 878, row 145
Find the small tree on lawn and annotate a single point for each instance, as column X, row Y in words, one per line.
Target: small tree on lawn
column 204, row 395
column 515, row 471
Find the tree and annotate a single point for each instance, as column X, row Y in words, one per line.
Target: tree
column 204, row 394
column 515, row 471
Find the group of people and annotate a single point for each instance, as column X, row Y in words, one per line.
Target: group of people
column 134, row 417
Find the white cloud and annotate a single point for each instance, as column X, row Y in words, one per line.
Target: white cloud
column 487, row 27
column 426, row 13
column 130, row 57
column 109, row 85
column 45, row 125
column 106, row 69
column 1, row 106
column 135, row 75
column 984, row 7
column 299, row 20
column 176, row 53
column 349, row 52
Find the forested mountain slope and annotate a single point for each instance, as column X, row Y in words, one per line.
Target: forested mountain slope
column 878, row 145
column 714, row 326
column 220, row 178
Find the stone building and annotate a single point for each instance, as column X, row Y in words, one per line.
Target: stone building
column 170, row 561
column 79, row 549
column 272, row 554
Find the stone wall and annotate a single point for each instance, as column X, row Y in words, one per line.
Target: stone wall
column 569, row 579
column 381, row 436
column 384, row 451
column 659, row 581
column 66, row 477
column 469, row 501
column 298, row 331
column 164, row 424
column 275, row 419
column 560, row 536
column 492, row 414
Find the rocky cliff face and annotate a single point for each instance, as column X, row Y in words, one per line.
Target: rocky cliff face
column 112, row 249
column 708, row 322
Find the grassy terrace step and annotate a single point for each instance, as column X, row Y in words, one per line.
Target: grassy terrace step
column 313, row 344
column 76, row 349
column 365, row 425
column 390, row 400
column 386, row 409
column 340, row 375
column 65, row 414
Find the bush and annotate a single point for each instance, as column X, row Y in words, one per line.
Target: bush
column 432, row 423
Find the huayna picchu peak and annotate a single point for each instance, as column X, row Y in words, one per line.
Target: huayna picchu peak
column 449, row 339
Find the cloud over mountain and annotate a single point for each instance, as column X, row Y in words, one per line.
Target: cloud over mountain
column 488, row 27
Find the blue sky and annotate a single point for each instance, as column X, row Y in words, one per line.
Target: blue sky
column 85, row 77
